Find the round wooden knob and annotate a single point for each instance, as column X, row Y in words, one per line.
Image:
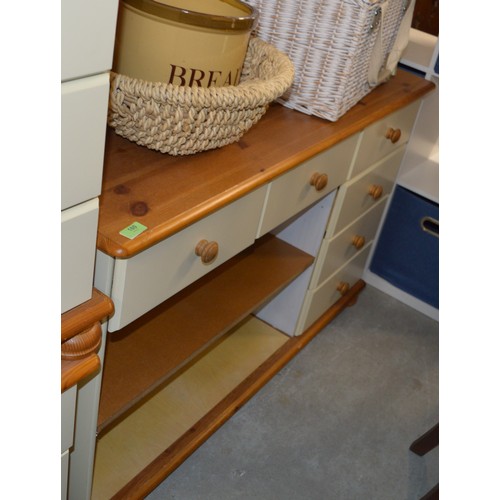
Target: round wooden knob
column 82, row 344
column 376, row 191
column 207, row 251
column 393, row 135
column 319, row 181
column 343, row 287
column 358, row 241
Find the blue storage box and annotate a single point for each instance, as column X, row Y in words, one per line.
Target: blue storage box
column 407, row 253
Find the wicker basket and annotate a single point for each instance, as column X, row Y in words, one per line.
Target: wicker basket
column 183, row 120
column 341, row 49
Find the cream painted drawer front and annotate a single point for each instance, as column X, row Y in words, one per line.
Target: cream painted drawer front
column 318, row 300
column 78, row 248
column 338, row 250
column 87, row 37
column 292, row 192
column 68, row 403
column 374, row 144
column 150, row 277
column 355, row 196
column 84, row 105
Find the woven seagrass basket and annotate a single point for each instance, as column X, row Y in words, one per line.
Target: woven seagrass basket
column 341, row 49
column 184, row 120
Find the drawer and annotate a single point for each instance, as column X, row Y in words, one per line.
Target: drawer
column 407, row 252
column 363, row 192
column 377, row 140
column 152, row 276
column 338, row 250
column 87, row 37
column 295, row 190
column 318, row 300
column 84, row 105
column 78, row 248
column 68, row 404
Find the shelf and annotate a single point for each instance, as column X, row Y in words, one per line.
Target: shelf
column 144, row 354
column 423, row 179
column 420, row 52
column 136, row 441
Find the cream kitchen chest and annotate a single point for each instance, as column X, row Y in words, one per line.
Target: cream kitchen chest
column 223, row 265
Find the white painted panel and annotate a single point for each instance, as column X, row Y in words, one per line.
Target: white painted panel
column 78, row 243
column 68, row 402
column 306, row 233
column 84, row 105
column 87, row 37
column 147, row 279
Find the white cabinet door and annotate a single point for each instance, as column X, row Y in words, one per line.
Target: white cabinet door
column 78, row 240
column 84, row 105
column 87, row 37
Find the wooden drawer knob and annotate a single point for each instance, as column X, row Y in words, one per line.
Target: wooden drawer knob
column 207, row 251
column 376, row 191
column 82, row 344
column 358, row 241
column 393, row 135
column 343, row 287
column 319, row 181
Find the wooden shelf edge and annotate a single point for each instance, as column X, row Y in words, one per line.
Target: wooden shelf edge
column 82, row 317
column 74, row 371
column 178, row 452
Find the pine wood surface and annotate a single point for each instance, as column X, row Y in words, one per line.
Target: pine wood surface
column 153, row 474
column 167, row 193
column 145, row 353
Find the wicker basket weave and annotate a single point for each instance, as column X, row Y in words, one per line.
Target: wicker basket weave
column 336, row 47
column 183, row 120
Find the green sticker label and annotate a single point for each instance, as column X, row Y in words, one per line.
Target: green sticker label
column 133, row 230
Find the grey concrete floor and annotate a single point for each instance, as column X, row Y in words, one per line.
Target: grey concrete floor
column 336, row 422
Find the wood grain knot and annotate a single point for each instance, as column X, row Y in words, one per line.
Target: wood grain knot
column 139, row 208
column 121, row 189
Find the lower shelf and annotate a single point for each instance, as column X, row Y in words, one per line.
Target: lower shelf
column 133, row 457
column 131, row 445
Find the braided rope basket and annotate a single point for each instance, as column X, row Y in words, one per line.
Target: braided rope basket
column 184, row 120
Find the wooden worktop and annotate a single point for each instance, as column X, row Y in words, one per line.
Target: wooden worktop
column 167, row 193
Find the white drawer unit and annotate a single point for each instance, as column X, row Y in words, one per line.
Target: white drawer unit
column 78, row 239
column 306, row 184
column 87, row 37
column 361, row 193
column 142, row 282
column 384, row 137
column 338, row 250
column 83, row 130
column 318, row 300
